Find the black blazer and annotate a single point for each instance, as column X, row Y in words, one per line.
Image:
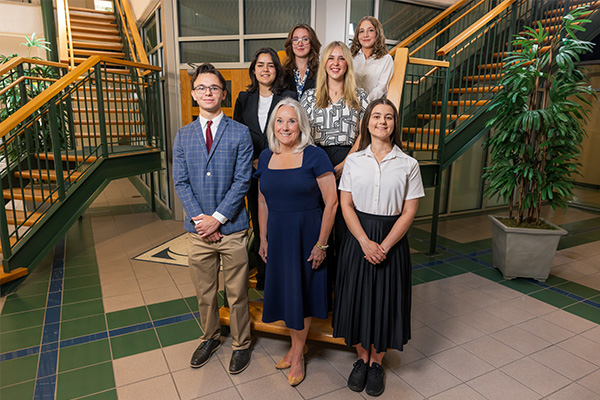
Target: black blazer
column 246, row 112
column 290, row 82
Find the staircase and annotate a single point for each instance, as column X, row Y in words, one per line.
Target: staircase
column 443, row 94
column 96, row 119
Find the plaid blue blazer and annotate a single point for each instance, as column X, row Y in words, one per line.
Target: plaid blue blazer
column 218, row 181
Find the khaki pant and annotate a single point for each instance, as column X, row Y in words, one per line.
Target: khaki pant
column 203, row 260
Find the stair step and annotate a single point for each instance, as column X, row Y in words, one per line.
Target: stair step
column 114, row 135
column 6, row 277
column 22, row 218
column 497, row 65
column 48, row 175
column 462, row 103
column 418, row 146
column 422, row 131
column 451, row 117
column 96, row 38
column 504, row 54
column 97, row 45
column 89, row 53
column 85, row 22
column 91, row 17
column 111, row 100
column 67, row 157
column 95, row 30
column 491, row 77
column 109, row 89
column 476, row 89
column 110, row 123
column 112, row 111
column 28, row 196
column 89, row 10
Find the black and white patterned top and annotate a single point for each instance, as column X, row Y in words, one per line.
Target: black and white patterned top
column 336, row 125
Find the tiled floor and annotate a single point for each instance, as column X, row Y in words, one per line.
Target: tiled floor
column 101, row 325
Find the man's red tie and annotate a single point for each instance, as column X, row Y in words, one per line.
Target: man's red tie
column 209, row 137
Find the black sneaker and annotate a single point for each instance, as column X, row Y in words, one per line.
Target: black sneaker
column 204, row 352
column 375, row 384
column 358, row 377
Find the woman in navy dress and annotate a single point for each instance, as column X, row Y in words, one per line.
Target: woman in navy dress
column 294, row 178
column 379, row 194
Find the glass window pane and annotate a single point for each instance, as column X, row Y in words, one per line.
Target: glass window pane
column 392, row 15
column 359, row 9
column 208, row 18
column 150, row 38
column 250, row 46
column 214, row 52
column 274, row 16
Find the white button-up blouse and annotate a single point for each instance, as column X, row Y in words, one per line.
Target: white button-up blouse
column 381, row 188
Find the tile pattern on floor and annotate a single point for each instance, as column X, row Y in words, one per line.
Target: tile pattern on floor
column 127, row 328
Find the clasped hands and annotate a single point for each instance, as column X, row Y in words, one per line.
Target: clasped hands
column 207, row 227
column 375, row 253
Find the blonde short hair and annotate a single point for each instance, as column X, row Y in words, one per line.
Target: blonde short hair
column 305, row 137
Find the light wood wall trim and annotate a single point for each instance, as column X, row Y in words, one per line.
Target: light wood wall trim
column 490, row 16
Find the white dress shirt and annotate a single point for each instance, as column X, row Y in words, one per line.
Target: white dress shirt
column 373, row 74
column 213, row 129
column 381, row 188
column 264, row 105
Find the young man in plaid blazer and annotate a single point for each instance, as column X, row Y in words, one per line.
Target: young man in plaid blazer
column 212, row 164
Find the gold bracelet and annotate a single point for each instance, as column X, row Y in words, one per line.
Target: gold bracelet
column 321, row 247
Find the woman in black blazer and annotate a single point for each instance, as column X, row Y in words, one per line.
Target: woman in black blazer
column 253, row 108
column 302, row 49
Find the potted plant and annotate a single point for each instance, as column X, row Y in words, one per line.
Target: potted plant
column 537, row 134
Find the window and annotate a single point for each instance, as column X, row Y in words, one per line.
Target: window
column 228, row 32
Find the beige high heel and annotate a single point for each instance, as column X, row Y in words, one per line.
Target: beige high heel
column 296, row 380
column 284, row 365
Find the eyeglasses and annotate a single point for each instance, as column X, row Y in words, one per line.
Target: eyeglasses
column 304, row 40
column 200, row 89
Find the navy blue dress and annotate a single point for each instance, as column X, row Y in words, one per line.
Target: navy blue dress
column 293, row 290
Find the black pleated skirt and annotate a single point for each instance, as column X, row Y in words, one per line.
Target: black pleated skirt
column 372, row 302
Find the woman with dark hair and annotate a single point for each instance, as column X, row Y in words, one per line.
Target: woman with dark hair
column 253, row 108
column 302, row 49
column 379, row 194
column 373, row 66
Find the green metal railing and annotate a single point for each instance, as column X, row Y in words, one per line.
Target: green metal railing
column 50, row 144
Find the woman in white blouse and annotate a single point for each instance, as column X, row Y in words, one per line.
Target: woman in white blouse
column 373, row 66
column 379, row 194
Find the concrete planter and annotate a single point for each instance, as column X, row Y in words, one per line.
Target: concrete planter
column 524, row 252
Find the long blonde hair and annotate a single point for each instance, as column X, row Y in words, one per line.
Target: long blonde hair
column 322, row 92
column 379, row 48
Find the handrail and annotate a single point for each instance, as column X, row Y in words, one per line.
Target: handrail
column 450, row 25
column 21, row 114
column 474, row 28
column 140, row 52
column 13, row 62
column 427, row 26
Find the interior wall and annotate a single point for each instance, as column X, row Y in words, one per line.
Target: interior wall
column 16, row 21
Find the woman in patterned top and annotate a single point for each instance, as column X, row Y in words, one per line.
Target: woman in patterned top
column 302, row 50
column 335, row 108
column 336, row 105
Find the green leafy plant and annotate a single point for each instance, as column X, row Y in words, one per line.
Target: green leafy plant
column 537, row 121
